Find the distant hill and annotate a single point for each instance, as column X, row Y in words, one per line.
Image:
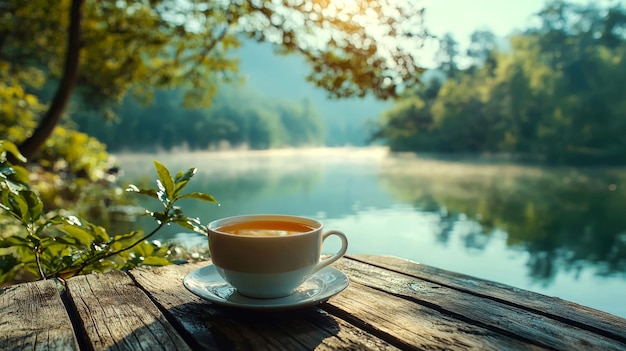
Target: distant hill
column 275, row 76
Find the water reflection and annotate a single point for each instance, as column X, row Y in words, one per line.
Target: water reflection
column 563, row 218
column 556, row 231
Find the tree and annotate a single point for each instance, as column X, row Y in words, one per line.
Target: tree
column 483, row 46
column 112, row 48
column 447, row 55
column 557, row 94
column 584, row 46
column 406, row 125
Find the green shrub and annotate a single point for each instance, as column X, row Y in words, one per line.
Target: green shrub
column 44, row 244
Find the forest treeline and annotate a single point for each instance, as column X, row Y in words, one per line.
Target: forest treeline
column 557, row 94
column 236, row 118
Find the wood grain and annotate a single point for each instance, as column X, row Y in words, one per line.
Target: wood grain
column 391, row 304
column 32, row 316
column 117, row 315
column 477, row 310
column 551, row 307
column 217, row 328
column 415, row 326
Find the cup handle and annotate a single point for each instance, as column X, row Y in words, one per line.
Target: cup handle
column 344, row 247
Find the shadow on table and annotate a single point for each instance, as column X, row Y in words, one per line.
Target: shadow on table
column 208, row 326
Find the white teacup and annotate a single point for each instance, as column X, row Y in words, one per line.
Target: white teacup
column 269, row 256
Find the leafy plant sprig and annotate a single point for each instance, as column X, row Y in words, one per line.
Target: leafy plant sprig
column 53, row 245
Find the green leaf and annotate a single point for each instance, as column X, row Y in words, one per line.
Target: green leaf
column 7, row 146
column 68, row 261
column 25, row 253
column 15, row 177
column 56, row 220
column 187, row 175
column 183, row 222
column 179, row 174
column 199, row 196
column 100, row 233
column 144, row 249
column 20, row 178
column 82, row 235
column 66, row 240
column 18, row 207
column 7, row 203
column 12, row 241
column 148, row 192
column 34, row 239
column 8, row 268
column 24, row 205
column 182, row 179
column 125, row 236
column 52, row 248
column 166, row 179
column 160, row 217
column 156, row 261
column 7, row 262
column 35, row 206
column 192, row 224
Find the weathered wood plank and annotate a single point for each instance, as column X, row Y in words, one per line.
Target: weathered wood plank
column 32, row 316
column 117, row 315
column 417, row 327
column 164, row 285
column 218, row 328
column 565, row 311
column 494, row 315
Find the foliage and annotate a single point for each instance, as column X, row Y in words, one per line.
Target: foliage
column 73, row 171
column 557, row 94
column 139, row 46
column 61, row 246
column 237, row 118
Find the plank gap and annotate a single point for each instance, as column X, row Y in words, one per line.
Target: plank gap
column 77, row 325
column 180, row 329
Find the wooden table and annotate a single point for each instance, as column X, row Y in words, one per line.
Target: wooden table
column 390, row 303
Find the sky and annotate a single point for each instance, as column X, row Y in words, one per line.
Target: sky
column 462, row 17
column 502, row 17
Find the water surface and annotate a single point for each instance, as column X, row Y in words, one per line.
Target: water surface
column 556, row 231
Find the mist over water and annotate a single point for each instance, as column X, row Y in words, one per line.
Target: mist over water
column 556, row 231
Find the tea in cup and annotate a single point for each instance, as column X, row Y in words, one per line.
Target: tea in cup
column 269, row 256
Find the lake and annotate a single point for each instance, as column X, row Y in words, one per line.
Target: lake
column 556, row 231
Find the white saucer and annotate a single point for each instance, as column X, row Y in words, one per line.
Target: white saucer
column 208, row 284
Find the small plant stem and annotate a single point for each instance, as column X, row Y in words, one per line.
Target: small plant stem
column 136, row 242
column 42, row 275
column 94, row 259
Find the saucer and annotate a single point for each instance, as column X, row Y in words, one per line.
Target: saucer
column 206, row 283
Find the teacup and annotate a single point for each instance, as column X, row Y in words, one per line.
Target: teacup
column 269, row 256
